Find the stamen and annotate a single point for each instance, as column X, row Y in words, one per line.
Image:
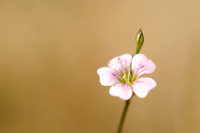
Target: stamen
column 120, row 78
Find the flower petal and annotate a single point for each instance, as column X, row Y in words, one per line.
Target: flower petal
column 142, row 86
column 121, row 63
column 121, row 90
column 141, row 65
column 126, row 59
column 107, row 76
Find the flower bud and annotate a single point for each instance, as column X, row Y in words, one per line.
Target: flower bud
column 139, row 41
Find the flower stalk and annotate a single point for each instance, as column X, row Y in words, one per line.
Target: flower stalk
column 123, row 116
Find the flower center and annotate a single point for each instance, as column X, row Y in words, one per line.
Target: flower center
column 127, row 78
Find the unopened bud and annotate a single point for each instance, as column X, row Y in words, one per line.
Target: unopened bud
column 139, row 41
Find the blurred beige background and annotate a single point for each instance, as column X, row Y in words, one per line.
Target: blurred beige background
column 50, row 51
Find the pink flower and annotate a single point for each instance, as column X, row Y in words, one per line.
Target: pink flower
column 124, row 73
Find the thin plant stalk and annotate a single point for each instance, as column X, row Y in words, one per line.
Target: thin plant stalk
column 123, row 117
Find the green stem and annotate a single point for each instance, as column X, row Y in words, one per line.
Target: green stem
column 123, row 117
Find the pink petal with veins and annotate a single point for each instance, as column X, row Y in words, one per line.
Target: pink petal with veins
column 141, row 65
column 122, row 91
column 107, row 76
column 142, row 86
column 121, row 63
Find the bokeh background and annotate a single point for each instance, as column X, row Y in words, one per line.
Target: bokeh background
column 50, row 51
